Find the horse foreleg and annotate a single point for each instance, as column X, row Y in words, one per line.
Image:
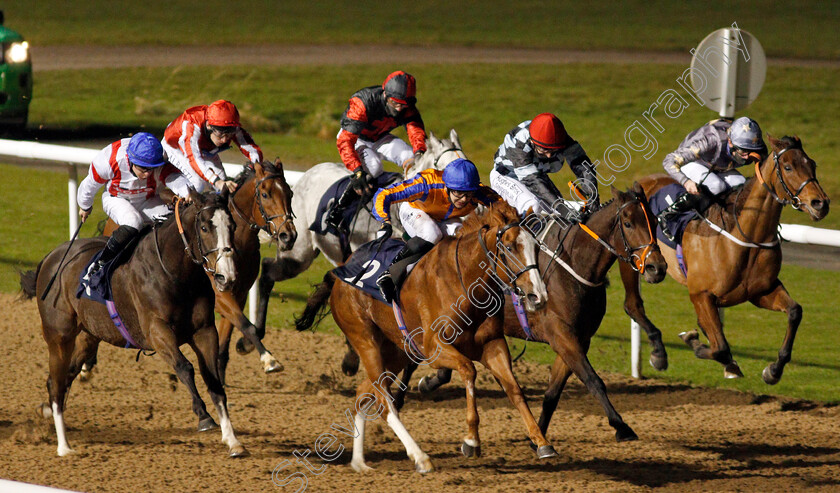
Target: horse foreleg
column 84, row 357
column 206, row 347
column 708, row 318
column 429, row 384
column 450, row 357
column 225, row 329
column 61, row 352
column 164, row 342
column 496, row 357
column 560, row 373
column 229, row 308
column 778, row 299
column 399, row 395
column 635, row 309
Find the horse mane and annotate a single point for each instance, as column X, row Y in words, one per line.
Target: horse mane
column 243, row 176
column 498, row 213
column 791, row 142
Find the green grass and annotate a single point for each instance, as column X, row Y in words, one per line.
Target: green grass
column 801, row 28
column 294, row 115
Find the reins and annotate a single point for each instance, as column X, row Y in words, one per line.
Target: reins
column 203, row 260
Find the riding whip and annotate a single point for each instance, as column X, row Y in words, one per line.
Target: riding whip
column 57, row 270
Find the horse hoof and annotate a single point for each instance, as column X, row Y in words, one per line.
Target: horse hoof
column 360, row 466
column 658, row 363
column 238, row 452
column 424, row 465
column 43, row 410
column 65, row 451
column 732, row 370
column 350, row 364
column 625, row 434
column 545, row 452
column 688, row 336
column 273, row 366
column 86, row 374
column 470, row 451
column 243, row 346
column 207, row 424
column 768, row 377
column 424, row 386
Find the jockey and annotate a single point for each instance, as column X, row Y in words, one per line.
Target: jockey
column 433, row 205
column 365, row 139
column 193, row 141
column 705, row 163
column 529, row 152
column 133, row 170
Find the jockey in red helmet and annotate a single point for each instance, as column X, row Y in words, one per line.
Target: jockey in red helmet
column 193, row 141
column 364, row 140
column 529, row 152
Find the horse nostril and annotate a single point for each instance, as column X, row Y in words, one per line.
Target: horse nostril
column 651, row 268
column 817, row 204
column 533, row 298
column 284, row 237
column 219, row 279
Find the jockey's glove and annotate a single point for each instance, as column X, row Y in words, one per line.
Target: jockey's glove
column 385, row 231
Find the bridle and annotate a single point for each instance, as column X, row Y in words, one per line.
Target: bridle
column 449, row 149
column 494, row 260
column 200, row 259
column 268, row 226
column 793, row 198
column 636, row 260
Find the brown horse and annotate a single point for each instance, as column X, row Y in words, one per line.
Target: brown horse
column 449, row 318
column 262, row 202
column 163, row 296
column 724, row 272
column 577, row 295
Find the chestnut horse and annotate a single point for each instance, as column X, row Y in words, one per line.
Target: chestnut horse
column 163, row 296
column 726, row 272
column 262, row 202
column 577, row 295
column 449, row 327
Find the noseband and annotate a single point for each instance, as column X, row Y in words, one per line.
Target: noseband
column 793, row 198
column 449, row 149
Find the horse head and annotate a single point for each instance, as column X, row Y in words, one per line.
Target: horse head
column 212, row 233
column 515, row 259
column 632, row 232
column 439, row 153
column 273, row 200
column 795, row 178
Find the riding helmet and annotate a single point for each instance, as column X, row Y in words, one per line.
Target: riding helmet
column 461, row 175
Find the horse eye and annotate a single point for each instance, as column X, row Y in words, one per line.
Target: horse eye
column 787, row 168
column 204, row 229
column 626, row 224
column 264, row 195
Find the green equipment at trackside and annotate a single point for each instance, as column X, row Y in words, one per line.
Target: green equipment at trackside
column 15, row 78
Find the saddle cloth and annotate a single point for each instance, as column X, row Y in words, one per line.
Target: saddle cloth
column 319, row 226
column 660, row 201
column 367, row 263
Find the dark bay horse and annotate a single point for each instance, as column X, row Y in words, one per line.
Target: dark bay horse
column 722, row 272
column 262, row 202
column 448, row 317
column 577, row 295
column 163, row 296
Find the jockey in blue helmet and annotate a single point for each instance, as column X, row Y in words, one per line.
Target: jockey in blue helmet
column 432, row 205
column 133, row 171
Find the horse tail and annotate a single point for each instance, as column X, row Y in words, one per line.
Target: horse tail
column 315, row 309
column 28, row 282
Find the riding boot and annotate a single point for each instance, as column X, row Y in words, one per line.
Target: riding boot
column 336, row 213
column 118, row 240
column 684, row 203
column 390, row 280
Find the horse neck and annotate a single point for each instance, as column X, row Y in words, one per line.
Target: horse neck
column 171, row 246
column 760, row 214
column 477, row 266
column 245, row 202
column 588, row 257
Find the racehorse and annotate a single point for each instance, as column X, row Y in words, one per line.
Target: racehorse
column 262, row 202
column 449, row 319
column 307, row 194
column 164, row 299
column 574, row 264
column 742, row 264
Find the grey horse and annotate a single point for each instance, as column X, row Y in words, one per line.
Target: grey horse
column 307, row 193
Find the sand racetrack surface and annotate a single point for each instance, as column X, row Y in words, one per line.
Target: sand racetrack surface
column 133, row 430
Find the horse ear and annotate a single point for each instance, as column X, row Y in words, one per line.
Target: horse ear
column 278, row 165
column 259, row 168
column 434, row 140
column 456, row 141
column 637, row 188
column 776, row 143
column 616, row 193
column 197, row 198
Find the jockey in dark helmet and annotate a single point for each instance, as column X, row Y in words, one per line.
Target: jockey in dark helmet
column 705, row 163
column 531, row 151
column 133, row 170
column 364, row 140
column 433, row 204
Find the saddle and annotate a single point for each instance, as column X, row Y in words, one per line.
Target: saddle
column 336, row 190
column 97, row 286
column 367, row 263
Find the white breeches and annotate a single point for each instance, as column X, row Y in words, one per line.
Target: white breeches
column 180, row 161
column 388, row 148
column 717, row 182
column 417, row 223
column 135, row 213
column 515, row 193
